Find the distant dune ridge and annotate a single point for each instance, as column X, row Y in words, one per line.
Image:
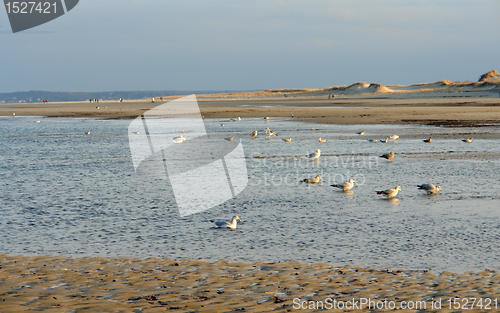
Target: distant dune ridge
column 488, row 83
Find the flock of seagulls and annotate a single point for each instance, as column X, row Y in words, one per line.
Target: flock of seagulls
column 345, row 186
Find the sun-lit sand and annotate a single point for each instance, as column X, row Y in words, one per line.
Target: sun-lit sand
column 56, row 284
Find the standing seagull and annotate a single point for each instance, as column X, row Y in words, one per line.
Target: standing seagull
column 345, row 186
column 312, row 180
column 394, row 137
column 315, row 155
column 231, row 225
column 467, row 140
column 430, row 188
column 390, row 193
column 254, row 134
column 388, row 156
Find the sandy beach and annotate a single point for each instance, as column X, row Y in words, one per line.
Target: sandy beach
column 348, row 110
column 61, row 284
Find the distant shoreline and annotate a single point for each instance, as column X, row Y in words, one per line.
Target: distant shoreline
column 339, row 110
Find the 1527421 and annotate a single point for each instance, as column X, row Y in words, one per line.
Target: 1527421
column 30, row 7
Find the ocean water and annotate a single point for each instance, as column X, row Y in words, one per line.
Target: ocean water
column 63, row 192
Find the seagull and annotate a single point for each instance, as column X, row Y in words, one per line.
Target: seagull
column 231, row 225
column 137, row 132
column 388, row 156
column 361, row 133
column 428, row 140
column 394, row 137
column 239, row 118
column 88, row 133
column 287, row 139
column 312, row 180
column 390, row 193
column 321, row 140
column 345, row 186
column 180, row 139
column 430, row 188
column 384, row 141
column 467, row 140
column 271, row 133
column 267, row 130
column 315, row 155
column 254, row 134
column 230, row 138
column 222, row 125
column 37, row 121
column 266, row 118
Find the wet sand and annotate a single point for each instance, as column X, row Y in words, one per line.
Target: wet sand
column 342, row 110
column 60, row 284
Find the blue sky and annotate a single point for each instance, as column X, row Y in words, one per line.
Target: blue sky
column 107, row 45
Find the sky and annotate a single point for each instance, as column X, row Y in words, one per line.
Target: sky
column 129, row 45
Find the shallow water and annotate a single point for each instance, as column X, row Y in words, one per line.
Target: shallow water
column 63, row 192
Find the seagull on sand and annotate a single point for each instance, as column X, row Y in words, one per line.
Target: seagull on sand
column 384, row 141
column 388, row 156
column 88, row 133
column 430, row 188
column 137, row 132
column 239, row 118
column 180, row 139
column 321, row 140
column 230, row 138
column 254, row 134
column 315, row 155
column 361, row 133
column 231, row 224
column 345, row 186
column 287, row 139
column 394, row 137
column 312, row 180
column 467, row 140
column 390, row 193
column 428, row 140
column 271, row 133
column 267, row 130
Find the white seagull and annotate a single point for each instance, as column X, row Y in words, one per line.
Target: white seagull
column 430, row 188
column 180, row 139
column 467, row 140
column 315, row 155
column 390, row 193
column 345, row 186
column 394, row 137
column 231, row 225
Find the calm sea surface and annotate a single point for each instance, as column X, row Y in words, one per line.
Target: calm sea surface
column 63, row 192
